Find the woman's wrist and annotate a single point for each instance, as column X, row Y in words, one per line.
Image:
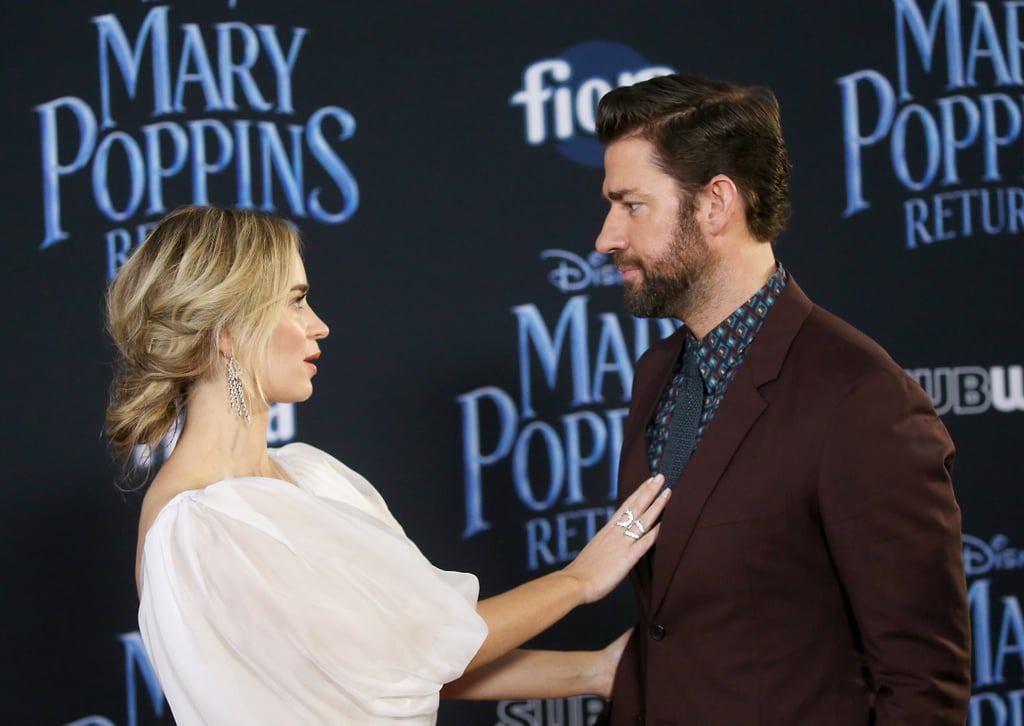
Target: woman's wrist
column 578, row 586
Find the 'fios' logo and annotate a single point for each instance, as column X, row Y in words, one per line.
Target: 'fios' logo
column 559, row 95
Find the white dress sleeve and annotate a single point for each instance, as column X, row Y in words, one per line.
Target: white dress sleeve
column 266, row 603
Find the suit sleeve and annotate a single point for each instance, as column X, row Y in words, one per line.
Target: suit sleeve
column 893, row 529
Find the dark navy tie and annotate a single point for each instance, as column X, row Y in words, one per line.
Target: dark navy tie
column 682, row 431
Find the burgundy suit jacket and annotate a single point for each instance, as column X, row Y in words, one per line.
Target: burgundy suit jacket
column 809, row 568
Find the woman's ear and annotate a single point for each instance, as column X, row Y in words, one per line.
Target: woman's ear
column 222, row 339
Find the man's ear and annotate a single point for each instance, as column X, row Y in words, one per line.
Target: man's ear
column 723, row 204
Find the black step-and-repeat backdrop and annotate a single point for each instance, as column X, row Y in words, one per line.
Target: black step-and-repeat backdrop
column 440, row 161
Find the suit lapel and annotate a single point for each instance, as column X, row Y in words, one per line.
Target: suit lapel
column 742, row 406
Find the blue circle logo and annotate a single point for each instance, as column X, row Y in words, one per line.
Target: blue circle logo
column 559, row 95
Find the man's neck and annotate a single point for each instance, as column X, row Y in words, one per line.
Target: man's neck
column 728, row 286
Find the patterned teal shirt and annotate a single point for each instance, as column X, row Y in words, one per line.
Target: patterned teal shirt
column 721, row 353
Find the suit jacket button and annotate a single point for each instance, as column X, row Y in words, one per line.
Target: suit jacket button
column 657, row 631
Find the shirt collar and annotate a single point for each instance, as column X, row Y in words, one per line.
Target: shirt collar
column 723, row 348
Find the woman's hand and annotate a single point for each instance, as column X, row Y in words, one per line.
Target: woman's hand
column 515, row 616
column 612, row 552
column 522, row 674
column 607, row 662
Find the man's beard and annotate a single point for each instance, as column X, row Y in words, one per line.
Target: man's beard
column 670, row 283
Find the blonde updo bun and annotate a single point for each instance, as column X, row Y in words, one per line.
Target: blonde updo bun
column 201, row 271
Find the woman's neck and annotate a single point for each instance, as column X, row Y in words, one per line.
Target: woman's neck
column 217, row 444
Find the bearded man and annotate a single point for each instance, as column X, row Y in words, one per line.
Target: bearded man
column 809, row 568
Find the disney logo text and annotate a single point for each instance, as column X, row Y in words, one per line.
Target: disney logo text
column 981, row 557
column 575, row 273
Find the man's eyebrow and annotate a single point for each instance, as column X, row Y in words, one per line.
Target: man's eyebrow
column 617, row 194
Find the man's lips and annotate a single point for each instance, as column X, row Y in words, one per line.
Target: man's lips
column 628, row 273
column 628, row 267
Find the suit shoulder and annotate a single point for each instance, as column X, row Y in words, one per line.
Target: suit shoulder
column 828, row 340
column 838, row 359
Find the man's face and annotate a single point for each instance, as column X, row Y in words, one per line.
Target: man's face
column 652, row 233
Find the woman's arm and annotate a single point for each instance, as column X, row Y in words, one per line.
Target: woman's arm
column 515, row 616
column 542, row 674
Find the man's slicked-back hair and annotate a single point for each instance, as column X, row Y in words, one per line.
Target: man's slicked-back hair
column 701, row 127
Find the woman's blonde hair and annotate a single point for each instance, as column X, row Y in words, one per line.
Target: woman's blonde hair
column 201, row 272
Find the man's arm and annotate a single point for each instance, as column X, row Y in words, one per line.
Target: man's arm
column 893, row 528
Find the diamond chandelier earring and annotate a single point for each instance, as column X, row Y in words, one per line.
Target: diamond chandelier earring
column 236, row 393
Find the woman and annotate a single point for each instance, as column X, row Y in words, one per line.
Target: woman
column 275, row 586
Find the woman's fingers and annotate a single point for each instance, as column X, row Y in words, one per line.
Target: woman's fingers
column 619, row 544
column 639, row 514
column 645, row 494
column 640, row 547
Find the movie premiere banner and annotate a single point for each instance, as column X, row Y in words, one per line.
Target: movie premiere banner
column 440, row 162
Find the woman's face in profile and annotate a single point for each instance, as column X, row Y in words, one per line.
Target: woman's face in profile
column 290, row 366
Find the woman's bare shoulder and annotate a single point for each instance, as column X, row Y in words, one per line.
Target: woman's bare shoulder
column 169, row 482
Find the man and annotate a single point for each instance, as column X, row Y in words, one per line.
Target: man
column 809, row 568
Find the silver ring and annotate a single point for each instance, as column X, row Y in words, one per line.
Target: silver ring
column 639, row 525
column 626, row 520
column 631, row 533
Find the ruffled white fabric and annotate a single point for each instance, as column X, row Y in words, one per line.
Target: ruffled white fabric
column 266, row 603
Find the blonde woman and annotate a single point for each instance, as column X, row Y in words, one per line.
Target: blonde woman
column 275, row 586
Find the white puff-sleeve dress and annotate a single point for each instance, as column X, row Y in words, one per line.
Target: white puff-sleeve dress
column 273, row 604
